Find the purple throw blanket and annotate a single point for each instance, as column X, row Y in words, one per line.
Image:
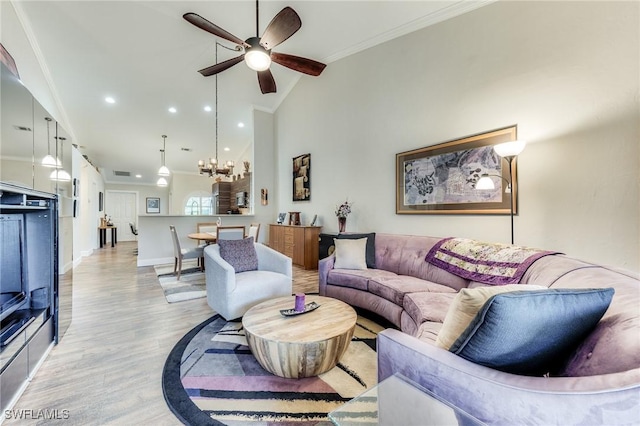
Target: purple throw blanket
column 489, row 263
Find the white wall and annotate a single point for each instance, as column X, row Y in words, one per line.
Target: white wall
column 565, row 72
column 264, row 168
column 86, row 225
column 143, row 191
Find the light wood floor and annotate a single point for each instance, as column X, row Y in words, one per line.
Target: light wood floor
column 107, row 369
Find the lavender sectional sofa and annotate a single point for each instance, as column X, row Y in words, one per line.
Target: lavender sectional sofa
column 600, row 383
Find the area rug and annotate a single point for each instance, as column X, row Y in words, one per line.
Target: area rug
column 191, row 285
column 211, row 378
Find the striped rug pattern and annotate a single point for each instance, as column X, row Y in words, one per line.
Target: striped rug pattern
column 191, row 285
column 223, row 381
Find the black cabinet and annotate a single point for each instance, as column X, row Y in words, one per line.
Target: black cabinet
column 326, row 245
column 29, row 311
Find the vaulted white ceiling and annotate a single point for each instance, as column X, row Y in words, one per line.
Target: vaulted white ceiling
column 146, row 56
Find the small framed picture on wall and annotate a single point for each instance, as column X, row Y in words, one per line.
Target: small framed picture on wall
column 153, row 205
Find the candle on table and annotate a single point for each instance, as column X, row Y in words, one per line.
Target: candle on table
column 299, row 302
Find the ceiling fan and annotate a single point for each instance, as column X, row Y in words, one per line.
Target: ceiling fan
column 257, row 50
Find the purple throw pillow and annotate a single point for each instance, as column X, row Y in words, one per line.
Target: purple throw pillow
column 241, row 254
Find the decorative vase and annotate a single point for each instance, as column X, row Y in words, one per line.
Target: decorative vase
column 342, row 224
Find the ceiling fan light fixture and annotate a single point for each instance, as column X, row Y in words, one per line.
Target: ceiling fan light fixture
column 256, row 56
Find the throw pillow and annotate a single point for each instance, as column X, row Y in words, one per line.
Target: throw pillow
column 466, row 305
column 370, row 252
column 241, row 254
column 532, row 332
column 350, row 254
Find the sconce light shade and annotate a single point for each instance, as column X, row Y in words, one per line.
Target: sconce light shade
column 485, row 182
column 509, row 149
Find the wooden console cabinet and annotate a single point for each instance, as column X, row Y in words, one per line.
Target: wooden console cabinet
column 300, row 243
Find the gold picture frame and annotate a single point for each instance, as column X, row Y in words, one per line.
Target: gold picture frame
column 440, row 179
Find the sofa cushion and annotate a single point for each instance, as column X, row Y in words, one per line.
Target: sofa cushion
column 350, row 254
column 241, row 254
column 532, row 332
column 355, row 278
column 370, row 252
column 614, row 346
column 428, row 306
column 428, row 331
column 466, row 305
column 404, row 255
column 395, row 287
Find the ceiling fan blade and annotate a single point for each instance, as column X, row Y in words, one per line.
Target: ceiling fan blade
column 282, row 26
column 212, row 28
column 215, row 69
column 267, row 82
column 297, row 63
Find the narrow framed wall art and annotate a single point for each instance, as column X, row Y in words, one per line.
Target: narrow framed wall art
column 302, row 178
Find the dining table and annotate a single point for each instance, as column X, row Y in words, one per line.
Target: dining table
column 207, row 237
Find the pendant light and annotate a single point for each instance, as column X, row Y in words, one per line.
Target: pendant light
column 163, row 170
column 211, row 168
column 60, row 175
column 162, row 182
column 48, row 160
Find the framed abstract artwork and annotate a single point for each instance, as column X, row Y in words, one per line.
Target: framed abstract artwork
column 302, row 178
column 440, row 179
column 153, row 205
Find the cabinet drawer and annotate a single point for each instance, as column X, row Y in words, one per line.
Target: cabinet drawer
column 288, row 250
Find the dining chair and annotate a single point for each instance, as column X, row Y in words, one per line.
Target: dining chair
column 230, row 233
column 254, row 230
column 134, row 231
column 209, row 227
column 181, row 254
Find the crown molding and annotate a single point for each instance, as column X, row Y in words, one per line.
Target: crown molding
column 456, row 9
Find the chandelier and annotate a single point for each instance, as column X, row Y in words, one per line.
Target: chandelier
column 213, row 168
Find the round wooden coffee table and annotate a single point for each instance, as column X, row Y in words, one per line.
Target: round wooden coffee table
column 302, row 345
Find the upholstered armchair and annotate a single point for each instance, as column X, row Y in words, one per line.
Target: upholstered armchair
column 232, row 294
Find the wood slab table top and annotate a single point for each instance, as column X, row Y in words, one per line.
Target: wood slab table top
column 302, row 345
column 204, row 236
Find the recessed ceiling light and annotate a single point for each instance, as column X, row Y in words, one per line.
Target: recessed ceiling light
column 109, row 100
column 172, row 110
column 241, row 124
column 226, row 148
column 138, row 176
column 207, row 108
